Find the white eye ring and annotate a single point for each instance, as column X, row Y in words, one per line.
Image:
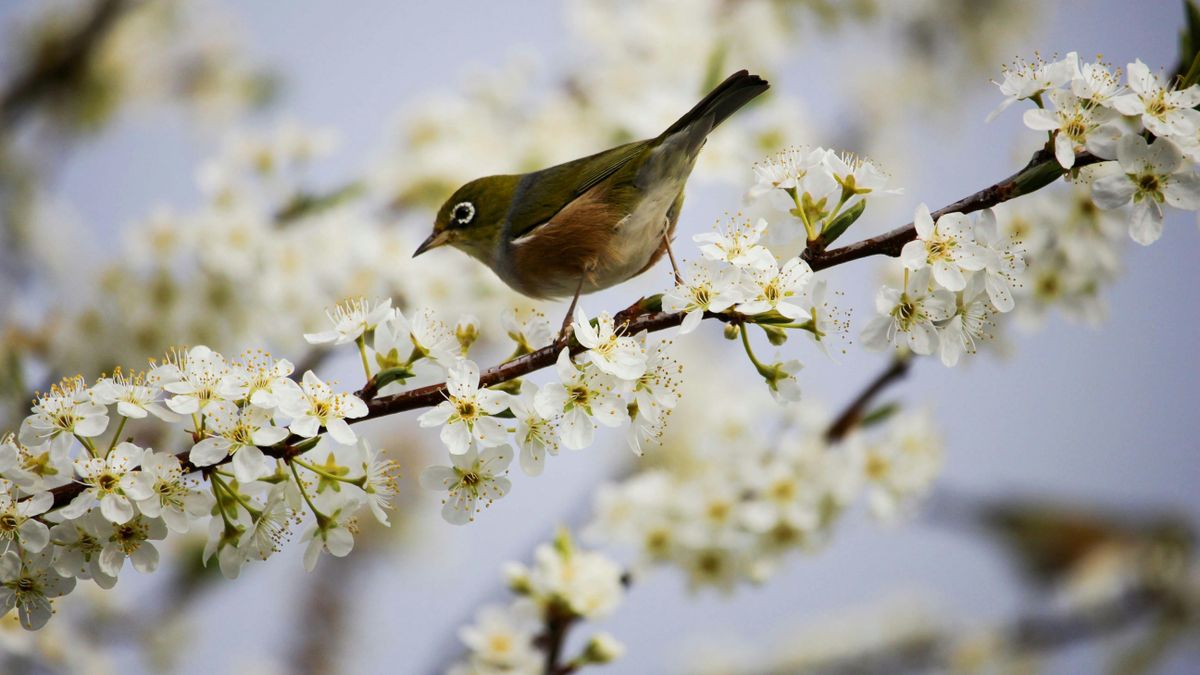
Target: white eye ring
column 463, row 219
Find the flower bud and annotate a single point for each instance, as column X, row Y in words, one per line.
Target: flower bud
column 467, row 331
column 775, row 335
column 731, row 331
column 602, row 648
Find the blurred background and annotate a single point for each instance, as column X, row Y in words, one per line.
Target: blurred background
column 187, row 172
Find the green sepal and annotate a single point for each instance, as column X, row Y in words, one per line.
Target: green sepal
column 389, row 375
column 306, row 445
column 879, row 415
column 509, row 387
column 1037, row 176
column 844, row 220
column 775, row 335
column 1189, row 46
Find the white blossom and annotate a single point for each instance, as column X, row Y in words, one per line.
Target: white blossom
column 910, row 312
column 351, row 320
column 19, row 522
column 710, row 286
column 1078, row 124
column 579, row 400
column 105, row 480
column 1149, row 175
column 772, row 288
column 316, row 405
column 535, row 435
column 239, row 432
column 466, row 414
column 1163, row 112
column 737, row 245
column 472, row 477
column 68, row 410
column 161, row 491
column 29, row 585
column 608, row 350
column 947, row 247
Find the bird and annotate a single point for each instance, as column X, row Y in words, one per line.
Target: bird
column 590, row 223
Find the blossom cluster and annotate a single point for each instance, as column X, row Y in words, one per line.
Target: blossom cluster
column 738, row 275
column 732, row 517
column 564, row 585
column 957, row 275
column 253, row 432
column 1147, row 128
column 826, row 190
column 615, row 381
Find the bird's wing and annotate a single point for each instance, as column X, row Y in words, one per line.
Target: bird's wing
column 542, row 194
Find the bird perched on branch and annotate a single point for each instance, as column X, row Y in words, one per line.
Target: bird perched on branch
column 590, row 223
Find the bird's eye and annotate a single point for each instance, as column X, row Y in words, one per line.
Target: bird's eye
column 462, row 213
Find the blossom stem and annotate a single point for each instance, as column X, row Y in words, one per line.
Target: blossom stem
column 116, row 436
column 321, row 517
column 254, row 513
column 325, row 474
column 762, row 370
column 362, row 352
column 87, row 444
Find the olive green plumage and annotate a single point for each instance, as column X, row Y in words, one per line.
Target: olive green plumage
column 592, row 222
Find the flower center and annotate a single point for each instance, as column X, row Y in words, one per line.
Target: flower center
column 470, row 479
column 1157, row 106
column 466, row 409
column 107, row 482
column 8, row 523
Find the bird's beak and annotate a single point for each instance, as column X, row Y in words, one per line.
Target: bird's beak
column 435, row 240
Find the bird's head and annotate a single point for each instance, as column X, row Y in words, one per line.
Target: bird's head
column 472, row 218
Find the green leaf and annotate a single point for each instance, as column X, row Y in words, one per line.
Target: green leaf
column 880, row 414
column 844, row 220
column 398, row 374
column 1189, row 44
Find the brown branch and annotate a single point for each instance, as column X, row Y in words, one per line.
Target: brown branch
column 646, row 314
column 62, row 65
column 853, row 414
column 1042, row 170
column 1028, row 634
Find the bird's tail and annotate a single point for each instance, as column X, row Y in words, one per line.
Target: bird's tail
column 736, row 91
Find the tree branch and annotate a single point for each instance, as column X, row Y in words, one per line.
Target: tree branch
column 1028, row 634
column 646, row 314
column 1042, row 170
column 62, row 65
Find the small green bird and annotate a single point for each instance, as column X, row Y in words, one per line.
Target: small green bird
column 590, row 223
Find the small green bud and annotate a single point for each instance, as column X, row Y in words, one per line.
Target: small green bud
column 602, row 648
column 518, row 579
column 775, row 335
column 467, row 331
column 731, row 331
column 844, row 220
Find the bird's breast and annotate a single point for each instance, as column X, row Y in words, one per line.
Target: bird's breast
column 598, row 239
